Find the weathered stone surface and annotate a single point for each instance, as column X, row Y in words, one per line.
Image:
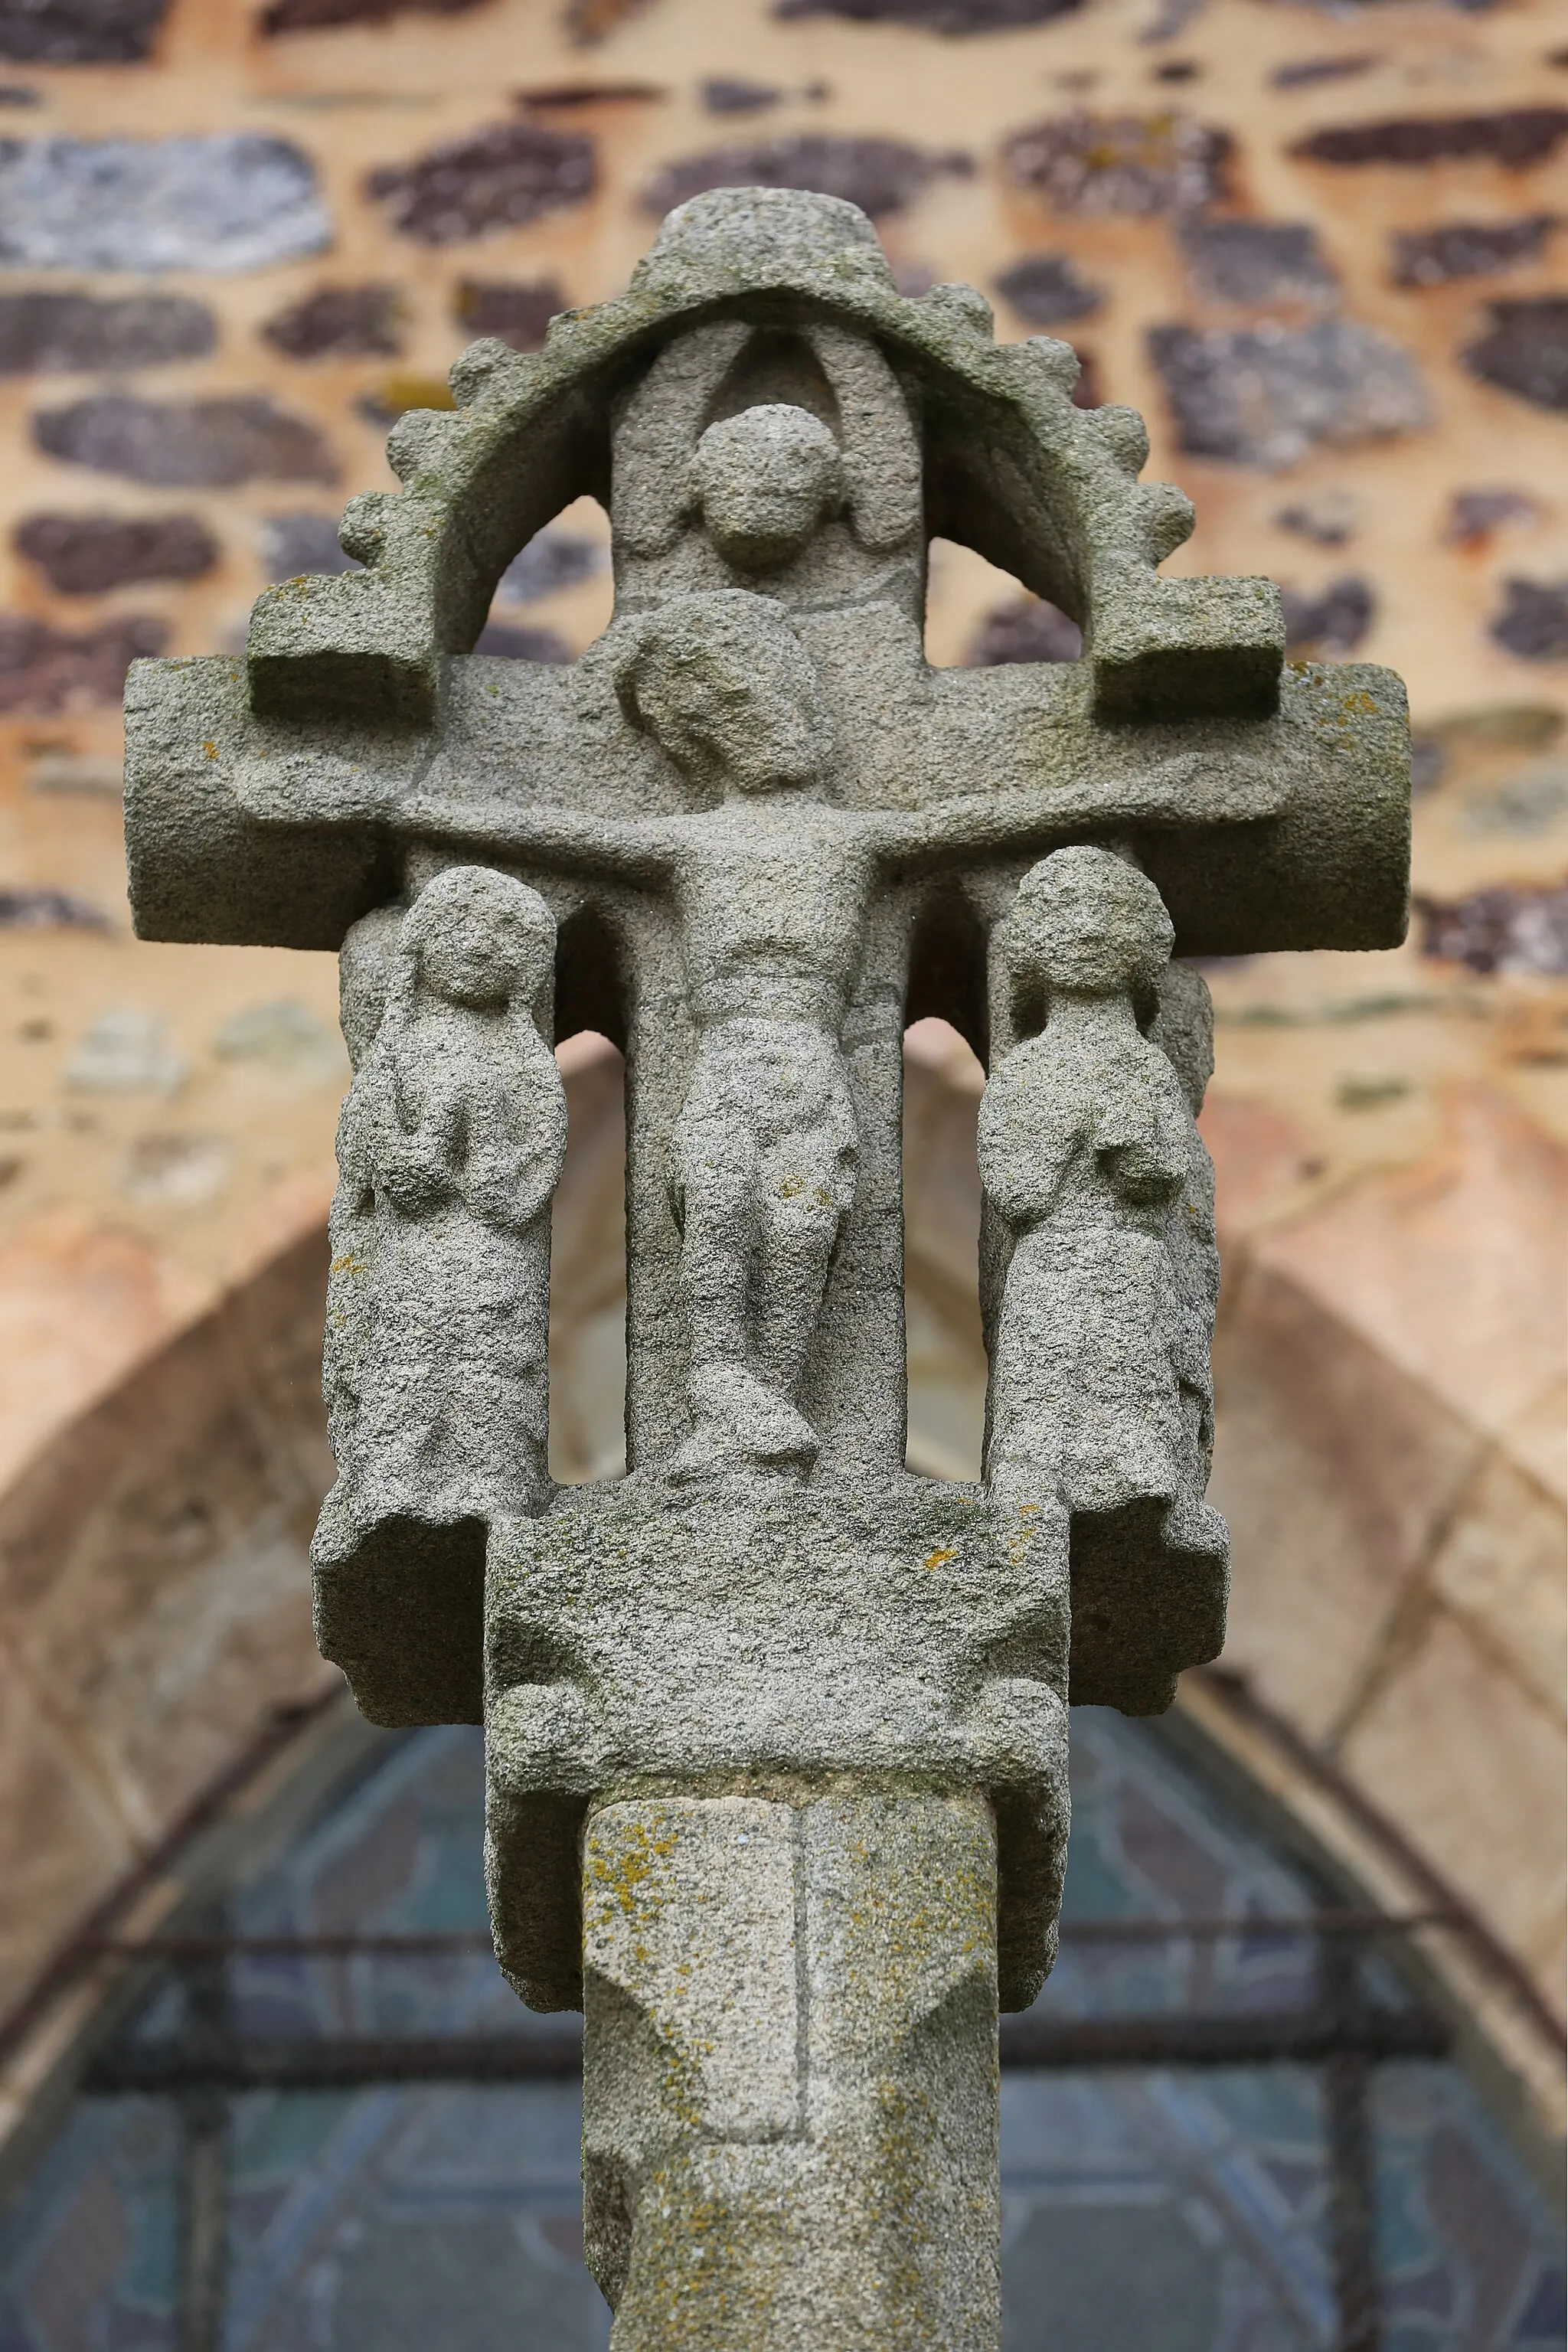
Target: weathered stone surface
column 879, row 175
column 46, row 910
column 1525, row 351
column 499, row 178
column 726, row 94
column 1514, row 136
column 1330, row 623
column 232, row 200
column 1255, row 261
column 79, row 32
column 1535, row 619
column 185, row 444
column 42, row 332
column 85, row 554
column 1264, row 395
column 1501, row 929
column 339, row 318
column 306, row 542
column 1028, row 631
column 1474, row 515
column 44, row 669
column 1083, row 162
column 791, row 2066
column 1047, row 288
column 1432, row 257
column 510, row 310
column 281, row 17
column 952, row 16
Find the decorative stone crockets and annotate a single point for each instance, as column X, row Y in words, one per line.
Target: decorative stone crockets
column 746, row 1703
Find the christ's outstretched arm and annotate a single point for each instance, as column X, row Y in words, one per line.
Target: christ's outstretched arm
column 1021, row 818
column 636, row 849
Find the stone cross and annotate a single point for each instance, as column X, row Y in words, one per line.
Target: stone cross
column 777, row 1730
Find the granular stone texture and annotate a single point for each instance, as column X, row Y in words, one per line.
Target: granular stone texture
column 313, row 16
column 507, row 309
column 233, row 201
column 1083, row 162
column 340, row 318
column 950, row 17
column 1432, row 257
column 1264, row 395
column 879, row 175
column 1506, row 930
column 43, row 333
column 45, row 669
column 1533, row 622
column 185, row 444
column 496, row 179
column 1525, row 350
column 85, row 554
column 295, row 543
column 79, row 32
column 1255, row 261
column 1047, row 288
column 1515, row 137
column 1028, row 631
column 1332, row 623
column 789, row 2118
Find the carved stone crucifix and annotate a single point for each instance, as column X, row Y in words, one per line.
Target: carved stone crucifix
column 777, row 1730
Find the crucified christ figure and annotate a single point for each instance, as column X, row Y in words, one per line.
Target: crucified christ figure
column 772, row 882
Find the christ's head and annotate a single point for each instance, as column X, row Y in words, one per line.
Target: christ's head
column 722, row 683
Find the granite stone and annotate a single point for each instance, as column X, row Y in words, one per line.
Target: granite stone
column 43, row 669
column 1028, row 630
column 1533, row 622
column 1525, row 350
column 339, row 319
column 187, row 445
column 1255, row 261
column 1136, row 163
column 496, row 179
column 87, row 554
column 226, row 201
column 1515, row 136
column 1264, row 395
column 878, row 175
column 1047, row 288
column 775, row 1728
column 1433, row 257
column 43, row 333
column 304, row 541
column 954, row 17
column 79, row 32
column 281, row 17
column 509, row 309
column 1333, row 622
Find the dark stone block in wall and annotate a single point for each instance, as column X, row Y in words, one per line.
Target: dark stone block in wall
column 339, row 318
column 1533, row 622
column 1431, row 256
column 725, row 95
column 1264, row 395
column 1474, row 515
column 313, row 16
column 1526, row 350
column 1332, row 623
column 231, row 200
column 878, row 175
column 1045, row 289
column 1503, row 930
column 1255, row 261
column 187, row 444
column 1028, row 631
column 521, row 645
column 48, row 669
column 43, row 332
column 499, row 178
column 293, row 543
column 1301, row 73
column 952, row 16
column 552, row 561
column 79, row 32
column 1080, row 163
column 513, row 309
column 1516, row 136
column 84, row 554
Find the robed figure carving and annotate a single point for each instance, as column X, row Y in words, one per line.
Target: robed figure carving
column 1101, row 1396
column 449, row 1148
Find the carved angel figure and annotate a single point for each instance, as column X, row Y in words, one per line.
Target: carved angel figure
column 1100, row 1385
column 449, row 1148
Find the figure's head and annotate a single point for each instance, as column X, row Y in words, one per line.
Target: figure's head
column 1085, row 923
column 480, row 938
column 765, row 479
column 722, row 683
